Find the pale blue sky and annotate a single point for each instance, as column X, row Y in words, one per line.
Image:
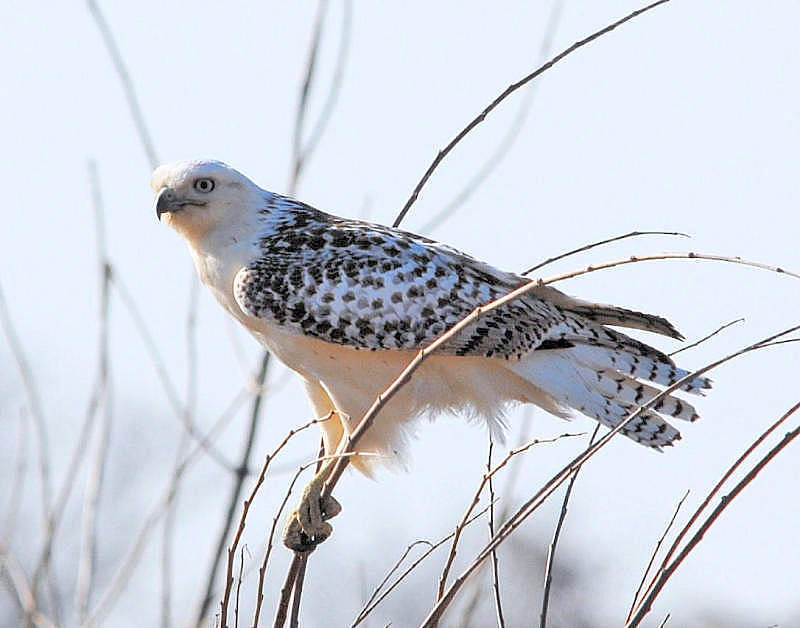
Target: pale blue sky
column 685, row 119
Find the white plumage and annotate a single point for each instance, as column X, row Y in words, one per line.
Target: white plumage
column 346, row 304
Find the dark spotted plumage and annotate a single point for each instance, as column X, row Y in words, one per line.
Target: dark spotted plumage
column 295, row 275
column 378, row 288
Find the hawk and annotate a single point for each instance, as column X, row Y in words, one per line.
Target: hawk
column 347, row 304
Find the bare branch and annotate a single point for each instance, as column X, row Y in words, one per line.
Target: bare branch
column 35, row 407
column 298, row 155
column 391, row 572
column 286, row 591
column 507, row 92
column 247, row 503
column 181, row 411
column 42, row 570
column 125, row 78
column 655, row 553
column 498, row 605
column 168, row 531
column 708, row 337
column 372, row 603
column 551, row 551
column 262, row 572
column 298, row 589
column 511, row 135
column 476, row 498
column 18, row 482
column 545, row 491
column 120, row 578
column 667, row 568
column 336, row 83
column 233, row 501
column 239, row 586
column 634, row 259
column 586, row 247
column 103, row 397
column 23, row 591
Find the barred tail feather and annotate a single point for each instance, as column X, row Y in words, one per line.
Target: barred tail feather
column 601, row 382
column 603, row 314
column 633, row 392
column 647, row 367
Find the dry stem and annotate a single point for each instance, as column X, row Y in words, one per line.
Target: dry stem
column 551, row 551
column 507, row 92
column 667, row 568
column 545, row 491
column 655, row 553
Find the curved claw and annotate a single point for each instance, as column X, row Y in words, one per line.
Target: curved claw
column 307, row 526
column 296, row 539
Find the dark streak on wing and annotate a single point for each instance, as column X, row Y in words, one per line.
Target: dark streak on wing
column 372, row 287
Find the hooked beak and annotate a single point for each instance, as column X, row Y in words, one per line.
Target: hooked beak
column 168, row 201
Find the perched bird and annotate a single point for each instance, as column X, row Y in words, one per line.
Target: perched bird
column 347, row 304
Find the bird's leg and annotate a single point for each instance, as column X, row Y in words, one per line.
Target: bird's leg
column 307, row 526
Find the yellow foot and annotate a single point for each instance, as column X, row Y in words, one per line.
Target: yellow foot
column 307, row 526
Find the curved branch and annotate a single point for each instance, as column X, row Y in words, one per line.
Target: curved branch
column 506, row 93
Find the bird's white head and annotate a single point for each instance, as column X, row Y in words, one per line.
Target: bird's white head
column 197, row 197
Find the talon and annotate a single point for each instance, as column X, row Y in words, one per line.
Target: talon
column 296, row 539
column 329, row 507
column 307, row 526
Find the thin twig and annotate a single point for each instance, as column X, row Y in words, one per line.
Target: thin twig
column 298, row 590
column 511, row 134
column 298, row 154
column 238, row 587
column 167, row 544
column 633, row 259
column 120, row 578
column 262, row 572
column 708, row 337
column 42, row 571
column 372, row 603
column 168, row 531
column 507, row 92
column 391, row 572
column 551, row 551
column 587, row 247
column 246, row 508
column 498, row 605
column 35, row 408
column 127, row 84
column 126, row 298
column 286, row 591
column 476, row 498
column 100, row 397
column 233, row 500
column 96, row 474
column 23, row 591
column 552, row 485
column 667, row 568
column 18, row 482
column 545, row 491
column 655, row 553
column 336, row 83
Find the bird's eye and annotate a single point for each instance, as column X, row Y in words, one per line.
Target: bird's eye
column 204, row 185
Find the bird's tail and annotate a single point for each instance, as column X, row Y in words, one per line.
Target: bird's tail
column 601, row 375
